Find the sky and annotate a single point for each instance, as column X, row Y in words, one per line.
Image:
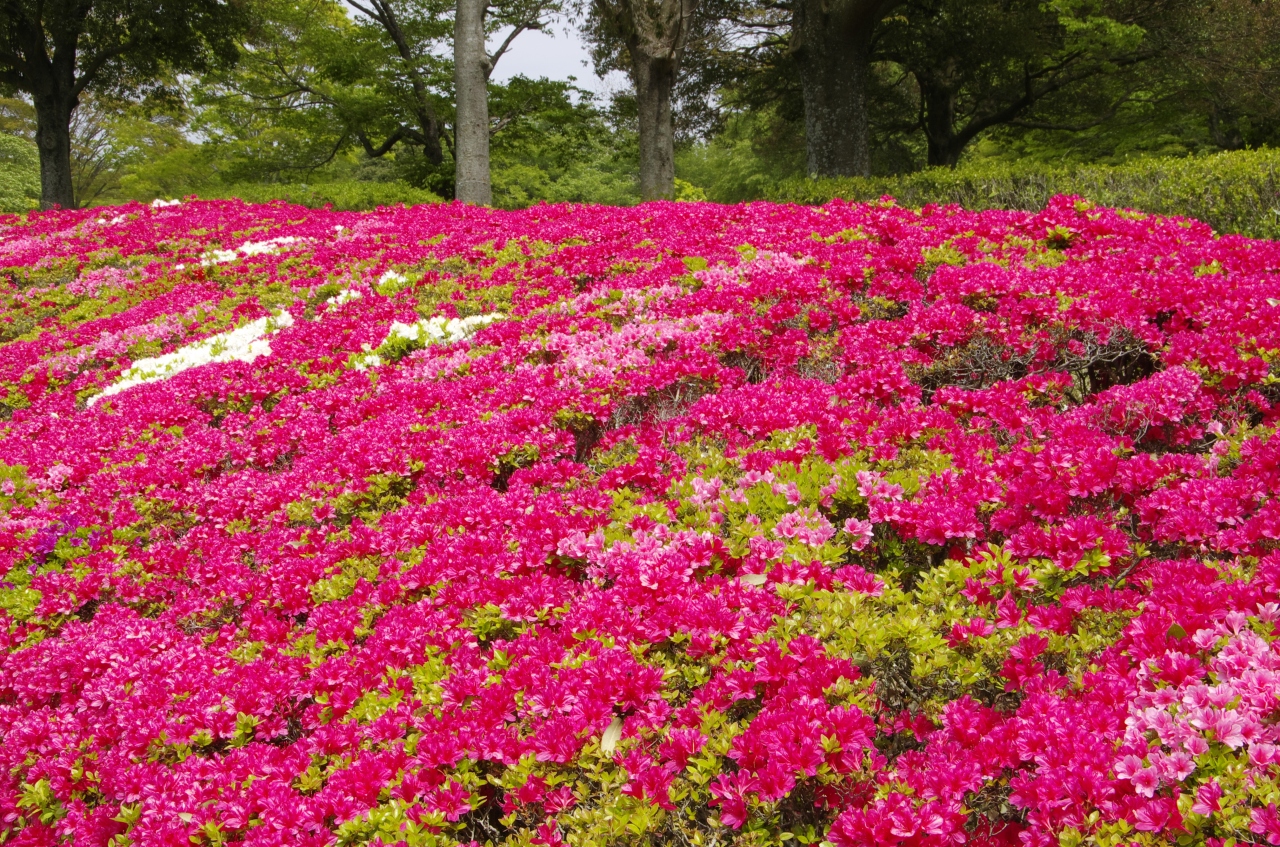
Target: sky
column 557, row 53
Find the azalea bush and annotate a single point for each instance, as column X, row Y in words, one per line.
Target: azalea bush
column 347, row 195
column 682, row 524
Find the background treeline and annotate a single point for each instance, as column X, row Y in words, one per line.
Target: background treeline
column 360, row 103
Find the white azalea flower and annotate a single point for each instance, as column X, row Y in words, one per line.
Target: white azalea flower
column 346, row 295
column 243, row 344
column 436, row 330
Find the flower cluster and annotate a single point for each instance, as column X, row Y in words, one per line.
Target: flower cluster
column 243, row 344
column 403, row 338
column 682, row 524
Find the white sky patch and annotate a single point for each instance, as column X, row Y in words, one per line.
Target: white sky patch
column 243, row 344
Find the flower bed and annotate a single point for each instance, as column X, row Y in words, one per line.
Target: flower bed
column 676, row 525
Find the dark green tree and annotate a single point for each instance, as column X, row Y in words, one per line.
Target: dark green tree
column 887, row 85
column 979, row 64
column 1228, row 71
column 56, row 50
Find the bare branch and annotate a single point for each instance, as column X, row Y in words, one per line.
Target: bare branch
column 506, row 43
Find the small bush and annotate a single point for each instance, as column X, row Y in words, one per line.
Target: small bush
column 19, row 174
column 1232, row 192
column 345, row 195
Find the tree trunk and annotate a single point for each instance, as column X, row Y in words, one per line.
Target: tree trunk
column 471, row 82
column 53, row 139
column 655, row 33
column 655, row 78
column 833, row 48
column 944, row 155
column 939, row 125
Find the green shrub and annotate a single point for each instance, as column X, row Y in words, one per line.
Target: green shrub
column 347, row 195
column 1232, row 192
column 19, row 174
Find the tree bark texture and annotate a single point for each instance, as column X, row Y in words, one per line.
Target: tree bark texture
column 655, row 33
column 53, row 139
column 939, row 106
column 655, row 79
column 471, row 84
column 833, row 41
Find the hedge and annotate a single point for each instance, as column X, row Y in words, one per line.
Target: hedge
column 345, row 195
column 1232, row 192
column 19, row 174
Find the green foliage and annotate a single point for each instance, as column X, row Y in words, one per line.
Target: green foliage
column 110, row 137
column 311, row 83
column 565, row 154
column 313, row 112
column 553, row 145
column 754, row 152
column 121, row 149
column 322, row 96
column 185, row 169
column 63, row 52
column 1233, row 191
column 19, row 174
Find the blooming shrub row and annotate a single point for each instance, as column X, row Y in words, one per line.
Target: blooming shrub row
column 682, row 524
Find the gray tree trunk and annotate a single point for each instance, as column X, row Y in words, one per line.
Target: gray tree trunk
column 833, row 48
column 471, row 83
column 655, row 79
column 655, row 33
column 53, row 139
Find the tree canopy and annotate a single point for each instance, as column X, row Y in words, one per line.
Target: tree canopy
column 55, row 51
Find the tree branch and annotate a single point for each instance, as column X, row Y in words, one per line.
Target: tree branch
column 342, row 139
column 91, row 70
column 506, row 43
column 382, row 12
column 385, row 147
column 1031, row 95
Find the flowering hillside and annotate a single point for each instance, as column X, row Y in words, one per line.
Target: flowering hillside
column 676, row 525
